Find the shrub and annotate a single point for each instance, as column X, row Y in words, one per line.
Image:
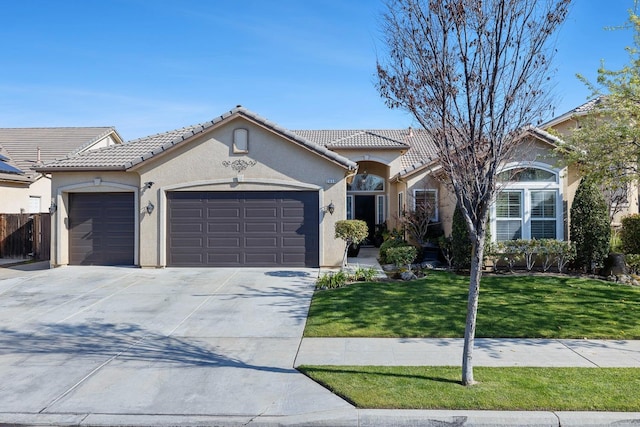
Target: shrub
column 332, row 280
column 633, row 263
column 363, row 274
column 461, row 247
column 630, row 234
column 590, row 229
column 352, row 231
column 402, row 255
column 446, row 247
column 388, row 244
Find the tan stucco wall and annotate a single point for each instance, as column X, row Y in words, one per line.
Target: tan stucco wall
column 64, row 183
column 15, row 198
column 280, row 166
column 199, row 165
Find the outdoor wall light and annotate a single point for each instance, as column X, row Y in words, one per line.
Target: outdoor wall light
column 330, row 208
column 148, row 184
column 53, row 208
column 150, row 207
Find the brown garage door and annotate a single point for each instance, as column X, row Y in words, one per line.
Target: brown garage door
column 229, row 229
column 101, row 228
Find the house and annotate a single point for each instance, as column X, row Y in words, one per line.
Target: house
column 240, row 190
column 22, row 189
column 621, row 201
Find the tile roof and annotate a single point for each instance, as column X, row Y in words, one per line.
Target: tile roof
column 578, row 111
column 127, row 155
column 20, row 145
column 416, row 142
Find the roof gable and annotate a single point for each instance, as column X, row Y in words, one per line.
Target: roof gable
column 135, row 152
column 26, row 148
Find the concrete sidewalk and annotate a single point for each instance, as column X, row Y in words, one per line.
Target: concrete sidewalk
column 487, row 352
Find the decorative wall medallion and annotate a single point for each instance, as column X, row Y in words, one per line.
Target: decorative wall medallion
column 239, row 165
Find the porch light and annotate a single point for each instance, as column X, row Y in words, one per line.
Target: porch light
column 331, row 208
column 150, row 207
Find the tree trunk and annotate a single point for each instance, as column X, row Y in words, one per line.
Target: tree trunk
column 472, row 310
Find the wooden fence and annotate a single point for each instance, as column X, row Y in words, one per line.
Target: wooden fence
column 25, row 236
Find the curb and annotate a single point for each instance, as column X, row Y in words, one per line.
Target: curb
column 345, row 418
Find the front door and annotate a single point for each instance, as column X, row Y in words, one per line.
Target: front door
column 365, row 210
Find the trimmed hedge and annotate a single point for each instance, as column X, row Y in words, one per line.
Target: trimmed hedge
column 630, row 234
column 590, row 229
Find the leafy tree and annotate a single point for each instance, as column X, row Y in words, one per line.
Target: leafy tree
column 606, row 144
column 352, row 231
column 473, row 74
column 589, row 230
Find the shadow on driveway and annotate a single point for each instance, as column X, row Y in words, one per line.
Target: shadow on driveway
column 125, row 342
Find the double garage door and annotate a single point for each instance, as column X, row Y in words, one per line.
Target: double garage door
column 215, row 229
column 229, row 229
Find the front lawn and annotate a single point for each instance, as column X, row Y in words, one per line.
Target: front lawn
column 526, row 389
column 511, row 306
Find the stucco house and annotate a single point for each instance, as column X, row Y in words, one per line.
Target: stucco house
column 22, row 189
column 240, row 190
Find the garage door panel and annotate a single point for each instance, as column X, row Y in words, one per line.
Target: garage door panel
column 257, row 227
column 225, row 242
column 246, row 228
column 255, row 213
column 101, row 228
column 223, row 227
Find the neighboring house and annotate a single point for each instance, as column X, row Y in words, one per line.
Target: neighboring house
column 629, row 202
column 240, row 190
column 22, row 189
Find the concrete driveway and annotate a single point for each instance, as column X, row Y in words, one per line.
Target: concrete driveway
column 105, row 345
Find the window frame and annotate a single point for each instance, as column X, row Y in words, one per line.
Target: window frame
column 527, row 188
column 436, row 211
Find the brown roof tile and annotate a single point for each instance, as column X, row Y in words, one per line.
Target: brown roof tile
column 20, row 145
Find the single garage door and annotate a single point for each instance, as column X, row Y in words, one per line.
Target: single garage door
column 230, row 229
column 101, row 228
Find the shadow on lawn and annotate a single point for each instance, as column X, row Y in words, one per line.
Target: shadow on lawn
column 378, row 373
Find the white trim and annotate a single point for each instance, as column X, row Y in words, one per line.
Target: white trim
column 239, row 181
column 526, row 188
column 370, row 158
column 381, row 214
column 95, row 186
column 350, row 200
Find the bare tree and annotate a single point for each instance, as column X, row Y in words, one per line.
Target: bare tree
column 473, row 74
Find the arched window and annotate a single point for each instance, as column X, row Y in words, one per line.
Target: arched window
column 366, row 182
column 528, row 204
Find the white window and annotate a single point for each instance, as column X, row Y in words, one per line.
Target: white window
column 509, row 215
column 380, row 209
column 401, row 204
column 528, row 205
column 349, row 207
column 34, row 204
column 426, row 199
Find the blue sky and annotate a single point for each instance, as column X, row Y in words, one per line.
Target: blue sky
column 147, row 66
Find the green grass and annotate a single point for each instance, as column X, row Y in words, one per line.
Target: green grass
column 511, row 306
column 530, row 389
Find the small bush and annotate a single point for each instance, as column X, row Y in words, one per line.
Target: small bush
column 362, row 274
column 388, row 244
column 446, row 248
column 402, row 255
column 332, row 280
column 630, row 234
column 633, row 263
